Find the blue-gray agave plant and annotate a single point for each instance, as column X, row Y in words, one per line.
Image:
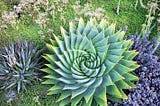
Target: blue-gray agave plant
column 19, row 64
column 90, row 64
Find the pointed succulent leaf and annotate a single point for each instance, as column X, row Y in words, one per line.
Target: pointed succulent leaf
column 90, row 63
column 19, row 64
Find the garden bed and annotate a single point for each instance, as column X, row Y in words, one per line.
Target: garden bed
column 23, row 21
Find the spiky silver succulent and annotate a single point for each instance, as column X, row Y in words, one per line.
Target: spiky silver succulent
column 19, row 64
column 90, row 64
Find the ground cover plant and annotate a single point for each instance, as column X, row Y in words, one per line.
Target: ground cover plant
column 149, row 72
column 37, row 20
column 147, row 92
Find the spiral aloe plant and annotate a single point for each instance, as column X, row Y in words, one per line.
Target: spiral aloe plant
column 90, row 64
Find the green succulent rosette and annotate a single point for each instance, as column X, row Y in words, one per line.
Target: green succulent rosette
column 90, row 64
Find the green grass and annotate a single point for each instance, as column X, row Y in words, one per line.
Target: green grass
column 128, row 16
column 28, row 98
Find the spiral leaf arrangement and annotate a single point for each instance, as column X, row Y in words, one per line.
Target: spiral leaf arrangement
column 90, row 64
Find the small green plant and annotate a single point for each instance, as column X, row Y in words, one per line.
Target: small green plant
column 90, row 64
column 151, row 20
column 19, row 65
column 3, row 7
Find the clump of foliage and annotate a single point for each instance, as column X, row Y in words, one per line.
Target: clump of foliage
column 147, row 92
column 19, row 65
column 152, row 7
column 90, row 64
